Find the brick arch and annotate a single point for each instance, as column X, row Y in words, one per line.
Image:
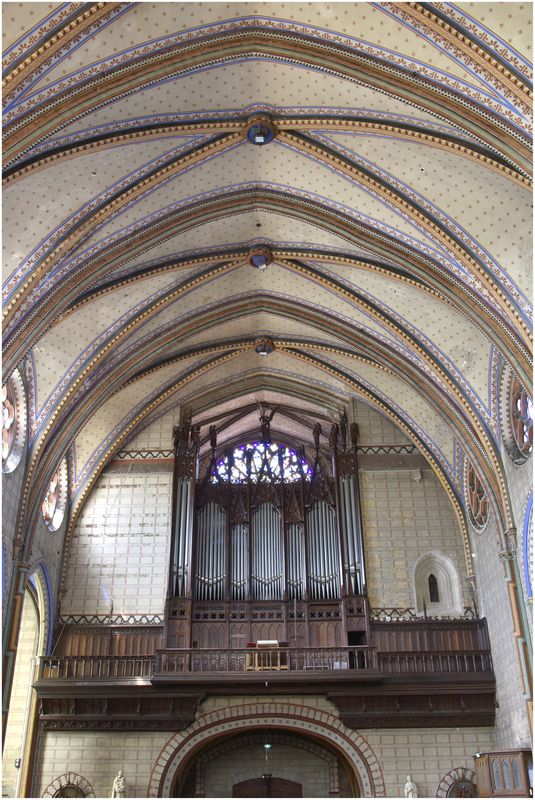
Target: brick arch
column 182, row 746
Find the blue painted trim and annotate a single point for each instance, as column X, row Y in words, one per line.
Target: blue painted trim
column 381, row 53
column 40, row 565
column 21, row 96
column 527, row 519
column 25, row 36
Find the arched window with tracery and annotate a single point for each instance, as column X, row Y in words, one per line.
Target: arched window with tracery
column 478, row 504
column 13, row 422
column 261, row 463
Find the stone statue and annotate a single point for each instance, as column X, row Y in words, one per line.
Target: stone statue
column 119, row 789
column 213, row 436
column 316, row 432
column 265, row 423
column 410, row 788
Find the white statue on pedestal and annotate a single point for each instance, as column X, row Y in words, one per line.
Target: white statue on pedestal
column 118, row 789
column 410, row 788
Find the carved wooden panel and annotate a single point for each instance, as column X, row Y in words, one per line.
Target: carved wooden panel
column 178, row 623
column 108, row 640
column 326, row 633
column 209, row 635
column 437, row 636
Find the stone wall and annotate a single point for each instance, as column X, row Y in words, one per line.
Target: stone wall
column 426, row 754
column 512, row 728
column 98, row 757
column 118, row 555
column 412, row 510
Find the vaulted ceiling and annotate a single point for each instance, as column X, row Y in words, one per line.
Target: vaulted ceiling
column 393, row 205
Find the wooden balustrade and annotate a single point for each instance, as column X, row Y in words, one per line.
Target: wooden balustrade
column 434, row 662
column 82, row 668
column 274, row 660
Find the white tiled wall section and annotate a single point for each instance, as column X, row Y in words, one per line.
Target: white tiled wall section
column 403, row 519
column 119, row 549
column 374, row 428
column 158, row 436
column 98, row 757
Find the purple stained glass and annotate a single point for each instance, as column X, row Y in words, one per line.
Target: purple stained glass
column 261, row 462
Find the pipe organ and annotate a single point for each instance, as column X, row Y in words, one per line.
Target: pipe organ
column 265, row 545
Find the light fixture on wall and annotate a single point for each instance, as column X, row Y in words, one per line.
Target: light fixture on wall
column 264, row 346
column 260, row 130
column 267, row 749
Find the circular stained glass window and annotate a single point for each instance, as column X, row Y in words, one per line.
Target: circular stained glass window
column 520, row 421
column 55, row 500
column 13, row 422
column 478, row 504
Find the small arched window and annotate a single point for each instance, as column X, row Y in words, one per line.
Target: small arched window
column 432, row 583
column 436, row 585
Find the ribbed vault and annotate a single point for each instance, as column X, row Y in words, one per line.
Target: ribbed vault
column 393, row 202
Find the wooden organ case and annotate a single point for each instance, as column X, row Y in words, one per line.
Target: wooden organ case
column 270, row 549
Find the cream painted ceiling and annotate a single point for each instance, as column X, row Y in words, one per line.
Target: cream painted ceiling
column 395, row 201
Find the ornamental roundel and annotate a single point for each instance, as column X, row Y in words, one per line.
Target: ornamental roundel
column 519, row 434
column 13, row 422
column 478, row 504
column 55, row 500
column 458, row 782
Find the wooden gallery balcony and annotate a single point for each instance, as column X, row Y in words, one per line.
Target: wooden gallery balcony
column 415, row 672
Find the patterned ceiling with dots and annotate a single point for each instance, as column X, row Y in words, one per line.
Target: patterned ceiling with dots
column 388, row 176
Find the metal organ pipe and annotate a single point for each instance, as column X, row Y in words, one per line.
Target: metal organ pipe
column 355, row 496
column 182, row 543
column 267, row 556
column 239, row 562
column 350, row 532
column 323, row 543
column 323, row 572
column 211, row 552
column 295, row 566
column 354, row 534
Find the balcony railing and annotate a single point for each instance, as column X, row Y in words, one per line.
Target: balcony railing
column 169, row 663
column 428, row 663
column 104, row 668
column 276, row 659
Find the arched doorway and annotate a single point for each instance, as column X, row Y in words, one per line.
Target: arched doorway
column 267, row 786
column 179, row 767
column 267, row 763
